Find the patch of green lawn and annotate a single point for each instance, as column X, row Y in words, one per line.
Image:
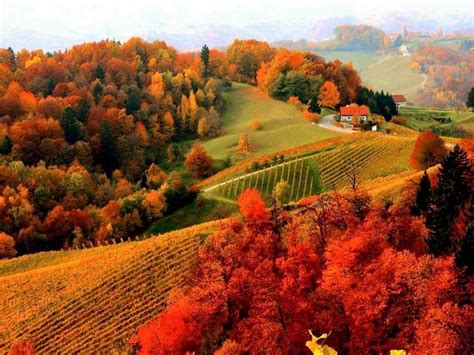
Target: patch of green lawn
column 422, row 118
column 393, row 73
column 199, row 211
column 283, row 126
column 360, row 59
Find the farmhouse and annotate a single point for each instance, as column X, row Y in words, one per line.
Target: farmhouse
column 404, row 51
column 354, row 114
column 399, row 100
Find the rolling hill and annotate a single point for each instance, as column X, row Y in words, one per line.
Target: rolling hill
column 324, row 169
column 283, row 126
column 393, row 74
column 93, row 300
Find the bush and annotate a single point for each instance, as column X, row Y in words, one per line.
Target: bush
column 256, row 124
column 7, row 246
column 452, row 131
column 293, row 100
column 401, row 121
column 311, row 116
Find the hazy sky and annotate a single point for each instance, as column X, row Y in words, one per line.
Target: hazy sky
column 129, row 17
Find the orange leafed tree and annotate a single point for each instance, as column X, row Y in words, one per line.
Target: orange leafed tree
column 329, row 95
column 7, row 246
column 198, row 162
column 429, row 150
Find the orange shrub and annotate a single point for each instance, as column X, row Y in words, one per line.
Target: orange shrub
column 256, row 124
column 311, row 116
column 293, row 100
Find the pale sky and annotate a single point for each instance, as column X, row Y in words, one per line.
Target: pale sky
column 78, row 20
column 124, row 17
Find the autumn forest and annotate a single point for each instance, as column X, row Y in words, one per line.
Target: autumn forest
column 355, row 236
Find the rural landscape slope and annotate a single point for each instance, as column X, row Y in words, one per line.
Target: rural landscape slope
column 282, row 125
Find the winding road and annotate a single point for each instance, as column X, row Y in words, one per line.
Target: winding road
column 327, row 122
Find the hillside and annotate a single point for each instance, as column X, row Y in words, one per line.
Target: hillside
column 63, row 300
column 283, row 126
column 95, row 299
column 390, row 73
column 324, row 168
column 394, row 75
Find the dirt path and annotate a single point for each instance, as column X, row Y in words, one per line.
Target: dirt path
column 327, row 122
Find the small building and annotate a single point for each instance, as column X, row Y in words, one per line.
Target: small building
column 399, row 100
column 354, row 114
column 404, row 50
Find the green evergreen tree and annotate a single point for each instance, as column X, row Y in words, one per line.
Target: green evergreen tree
column 470, row 99
column 297, row 85
column 449, row 197
column 6, row 145
column 278, row 89
column 398, row 41
column 97, row 92
column 83, row 110
column 108, row 148
column 465, row 252
column 70, row 126
column 205, row 59
column 423, row 196
column 49, row 87
column 99, row 73
column 133, row 102
column 314, row 106
column 12, row 59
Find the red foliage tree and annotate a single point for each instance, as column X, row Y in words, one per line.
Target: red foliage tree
column 198, row 162
column 429, row 150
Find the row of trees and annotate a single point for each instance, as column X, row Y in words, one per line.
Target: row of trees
column 309, row 78
column 83, row 134
column 44, row 208
column 449, row 75
column 378, row 102
column 378, row 277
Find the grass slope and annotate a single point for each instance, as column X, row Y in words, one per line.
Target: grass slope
column 283, row 126
column 360, row 59
column 93, row 300
column 373, row 156
column 421, row 118
column 392, row 73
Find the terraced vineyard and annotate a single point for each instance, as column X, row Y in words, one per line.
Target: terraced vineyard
column 368, row 155
column 93, row 300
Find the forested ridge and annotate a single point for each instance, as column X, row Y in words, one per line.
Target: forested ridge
column 93, row 139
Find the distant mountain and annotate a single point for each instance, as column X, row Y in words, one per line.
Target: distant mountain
column 18, row 39
column 193, row 37
column 324, row 29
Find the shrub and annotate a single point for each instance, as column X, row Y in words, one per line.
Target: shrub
column 293, row 100
column 198, row 162
column 401, row 121
column 256, row 124
column 429, row 150
column 311, row 116
column 7, row 246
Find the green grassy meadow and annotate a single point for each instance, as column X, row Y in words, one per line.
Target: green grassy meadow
column 393, row 73
column 283, row 126
column 390, row 73
column 360, row 59
column 421, row 118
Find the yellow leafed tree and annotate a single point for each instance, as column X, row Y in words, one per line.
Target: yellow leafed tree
column 157, row 87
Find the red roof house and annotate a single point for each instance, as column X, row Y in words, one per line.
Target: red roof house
column 350, row 113
column 399, row 100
